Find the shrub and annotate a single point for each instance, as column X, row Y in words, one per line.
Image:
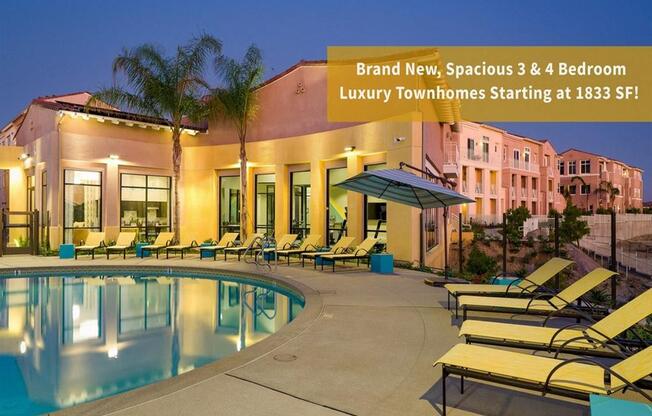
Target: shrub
column 572, row 229
column 633, row 210
column 480, row 263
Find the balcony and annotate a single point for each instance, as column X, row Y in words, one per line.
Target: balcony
column 478, row 188
column 523, row 165
column 471, row 155
column 465, row 187
column 451, row 159
column 512, row 192
column 551, row 196
column 492, row 189
column 523, row 193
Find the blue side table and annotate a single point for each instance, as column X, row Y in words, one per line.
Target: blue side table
column 505, row 280
column 139, row 250
column 205, row 254
column 382, row 263
column 269, row 255
column 326, row 262
column 67, row 251
column 607, row 406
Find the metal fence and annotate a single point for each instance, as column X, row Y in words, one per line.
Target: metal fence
column 633, row 241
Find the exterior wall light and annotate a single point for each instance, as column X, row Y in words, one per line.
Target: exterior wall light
column 349, row 148
column 114, row 157
column 24, row 156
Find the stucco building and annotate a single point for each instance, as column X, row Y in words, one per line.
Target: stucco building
column 105, row 169
column 587, row 178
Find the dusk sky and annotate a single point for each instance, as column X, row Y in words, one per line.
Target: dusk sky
column 55, row 47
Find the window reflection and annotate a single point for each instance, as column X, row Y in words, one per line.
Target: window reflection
column 228, row 305
column 81, row 311
column 143, row 306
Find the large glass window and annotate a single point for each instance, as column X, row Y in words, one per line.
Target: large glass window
column 31, row 193
column 375, row 212
column 82, row 204
column 143, row 306
column 145, row 204
column 82, row 310
column 585, row 166
column 229, row 204
column 337, row 205
column 265, row 200
column 300, row 203
column 572, row 167
column 44, row 198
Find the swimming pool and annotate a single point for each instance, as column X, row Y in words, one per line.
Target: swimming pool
column 68, row 338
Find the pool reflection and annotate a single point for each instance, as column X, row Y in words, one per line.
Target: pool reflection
column 69, row 340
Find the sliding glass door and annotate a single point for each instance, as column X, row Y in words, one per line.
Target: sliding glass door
column 300, row 203
column 265, row 200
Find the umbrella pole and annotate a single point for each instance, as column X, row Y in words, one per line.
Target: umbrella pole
column 445, row 242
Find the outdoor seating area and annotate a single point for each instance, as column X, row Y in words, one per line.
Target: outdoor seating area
column 255, row 245
column 621, row 355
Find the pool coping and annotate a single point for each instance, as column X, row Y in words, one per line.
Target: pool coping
column 313, row 306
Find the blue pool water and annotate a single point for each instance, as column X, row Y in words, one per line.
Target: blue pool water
column 70, row 339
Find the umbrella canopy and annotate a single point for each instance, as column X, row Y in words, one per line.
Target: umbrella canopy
column 403, row 187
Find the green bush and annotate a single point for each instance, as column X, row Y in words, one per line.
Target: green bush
column 572, row 229
column 481, row 264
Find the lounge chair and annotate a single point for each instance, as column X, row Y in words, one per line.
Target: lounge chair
column 251, row 239
column 577, row 378
column 162, row 241
column 94, row 240
column 310, row 244
column 362, row 251
column 180, row 248
column 596, row 339
column 283, row 243
column 124, row 242
column 526, row 285
column 340, row 247
column 536, row 304
column 227, row 240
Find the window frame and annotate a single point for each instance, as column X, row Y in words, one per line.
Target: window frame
column 147, row 188
column 101, row 207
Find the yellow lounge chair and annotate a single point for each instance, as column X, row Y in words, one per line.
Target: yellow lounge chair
column 537, row 305
column 577, row 377
column 227, row 240
column 526, row 285
column 124, row 242
column 360, row 252
column 341, row 246
column 162, row 241
column 251, row 239
column 181, row 247
column 311, row 243
column 283, row 243
column 597, row 339
column 94, row 240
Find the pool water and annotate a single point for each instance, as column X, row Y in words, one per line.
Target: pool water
column 70, row 339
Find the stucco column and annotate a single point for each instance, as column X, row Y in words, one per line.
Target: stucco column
column 354, row 200
column 281, row 201
column 112, row 201
column 317, row 199
column 251, row 198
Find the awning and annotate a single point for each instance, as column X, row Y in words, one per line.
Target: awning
column 404, row 188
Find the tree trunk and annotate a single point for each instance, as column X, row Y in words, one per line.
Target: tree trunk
column 243, row 190
column 176, row 167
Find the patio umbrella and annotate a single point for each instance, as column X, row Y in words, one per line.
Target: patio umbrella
column 405, row 188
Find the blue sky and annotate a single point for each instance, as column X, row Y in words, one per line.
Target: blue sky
column 55, row 46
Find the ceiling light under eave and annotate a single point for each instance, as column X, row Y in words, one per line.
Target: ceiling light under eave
column 24, row 156
column 349, row 148
column 114, row 157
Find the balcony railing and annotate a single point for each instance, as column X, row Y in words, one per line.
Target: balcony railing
column 523, row 165
column 471, row 155
column 451, row 153
column 492, row 189
column 512, row 192
column 465, row 187
column 523, row 192
column 478, row 188
column 551, row 196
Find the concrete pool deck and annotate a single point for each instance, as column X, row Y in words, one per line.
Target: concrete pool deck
column 364, row 345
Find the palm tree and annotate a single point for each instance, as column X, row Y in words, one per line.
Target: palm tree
column 610, row 190
column 169, row 87
column 237, row 103
column 582, row 183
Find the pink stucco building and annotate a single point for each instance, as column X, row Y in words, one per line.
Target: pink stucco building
column 588, row 177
